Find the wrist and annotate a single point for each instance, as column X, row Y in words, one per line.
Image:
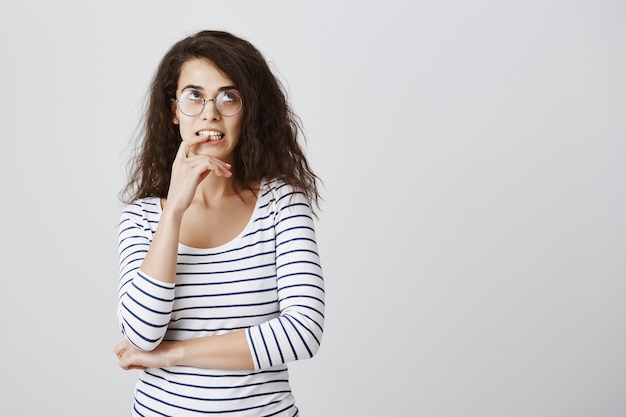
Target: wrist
column 172, row 214
column 174, row 354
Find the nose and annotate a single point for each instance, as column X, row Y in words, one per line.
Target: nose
column 210, row 110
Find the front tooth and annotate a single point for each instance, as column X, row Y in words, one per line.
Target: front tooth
column 211, row 135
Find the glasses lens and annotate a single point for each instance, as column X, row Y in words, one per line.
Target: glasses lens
column 191, row 102
column 228, row 103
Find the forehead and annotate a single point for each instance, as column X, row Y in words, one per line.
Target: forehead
column 202, row 73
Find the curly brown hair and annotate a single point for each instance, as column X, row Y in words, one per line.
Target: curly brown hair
column 268, row 147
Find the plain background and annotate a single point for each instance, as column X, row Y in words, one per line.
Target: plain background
column 473, row 233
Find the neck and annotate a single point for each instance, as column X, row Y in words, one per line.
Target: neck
column 214, row 188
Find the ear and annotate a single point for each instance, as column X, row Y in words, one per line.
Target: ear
column 174, row 111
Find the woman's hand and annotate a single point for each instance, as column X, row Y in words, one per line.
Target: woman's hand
column 188, row 171
column 132, row 358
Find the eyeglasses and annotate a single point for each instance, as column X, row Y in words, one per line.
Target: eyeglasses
column 227, row 103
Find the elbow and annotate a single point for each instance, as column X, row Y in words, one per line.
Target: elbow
column 290, row 337
column 143, row 336
column 314, row 346
column 307, row 332
column 141, row 341
column 142, row 328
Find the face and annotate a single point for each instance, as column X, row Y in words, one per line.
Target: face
column 201, row 78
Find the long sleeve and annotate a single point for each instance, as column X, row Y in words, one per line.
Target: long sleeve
column 297, row 332
column 144, row 304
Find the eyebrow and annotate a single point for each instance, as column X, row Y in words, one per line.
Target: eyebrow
column 197, row 87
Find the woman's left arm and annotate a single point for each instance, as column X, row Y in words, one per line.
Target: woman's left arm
column 297, row 332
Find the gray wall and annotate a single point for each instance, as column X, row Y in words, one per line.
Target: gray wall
column 473, row 230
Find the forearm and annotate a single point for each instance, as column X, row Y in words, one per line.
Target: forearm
column 160, row 261
column 228, row 351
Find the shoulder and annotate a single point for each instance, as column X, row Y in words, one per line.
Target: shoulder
column 280, row 193
column 142, row 209
column 284, row 200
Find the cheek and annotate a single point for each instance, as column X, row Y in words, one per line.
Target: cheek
column 236, row 126
column 237, row 133
column 186, row 129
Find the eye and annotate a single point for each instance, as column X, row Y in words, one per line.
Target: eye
column 230, row 96
column 192, row 95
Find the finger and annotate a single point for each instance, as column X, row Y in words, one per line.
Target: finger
column 193, row 142
column 119, row 348
column 223, row 172
column 221, row 169
column 206, row 163
column 186, row 144
column 183, row 151
column 124, row 360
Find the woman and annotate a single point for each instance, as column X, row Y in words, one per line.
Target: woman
column 220, row 280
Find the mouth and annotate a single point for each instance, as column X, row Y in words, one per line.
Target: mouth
column 211, row 134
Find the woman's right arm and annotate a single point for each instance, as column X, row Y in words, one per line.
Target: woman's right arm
column 148, row 263
column 144, row 300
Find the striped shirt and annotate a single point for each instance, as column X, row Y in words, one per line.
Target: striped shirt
column 268, row 281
